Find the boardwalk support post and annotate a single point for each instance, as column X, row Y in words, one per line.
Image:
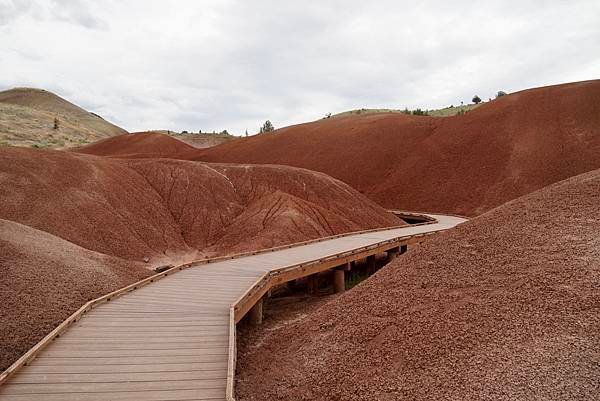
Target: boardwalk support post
column 403, row 249
column 312, row 284
column 371, row 265
column 256, row 313
column 339, row 279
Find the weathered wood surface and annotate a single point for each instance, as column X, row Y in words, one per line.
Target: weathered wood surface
column 174, row 339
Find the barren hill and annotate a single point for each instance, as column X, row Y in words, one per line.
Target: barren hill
column 464, row 164
column 503, row 307
column 27, row 119
column 74, row 226
column 140, row 145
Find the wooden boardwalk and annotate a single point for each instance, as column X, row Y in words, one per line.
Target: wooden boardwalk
column 172, row 339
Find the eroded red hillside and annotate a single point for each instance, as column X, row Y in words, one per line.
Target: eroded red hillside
column 464, row 164
column 169, row 210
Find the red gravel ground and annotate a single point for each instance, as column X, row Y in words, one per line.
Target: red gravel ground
column 464, row 164
column 503, row 307
column 75, row 226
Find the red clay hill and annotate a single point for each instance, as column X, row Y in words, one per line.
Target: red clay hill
column 503, row 307
column 140, row 145
column 464, row 164
column 74, row 226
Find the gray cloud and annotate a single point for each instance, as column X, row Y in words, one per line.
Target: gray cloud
column 233, row 64
column 79, row 12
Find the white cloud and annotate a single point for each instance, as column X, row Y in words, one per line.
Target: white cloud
column 233, row 64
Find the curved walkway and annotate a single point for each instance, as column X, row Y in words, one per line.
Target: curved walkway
column 175, row 338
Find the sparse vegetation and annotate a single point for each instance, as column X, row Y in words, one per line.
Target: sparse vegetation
column 267, row 127
column 35, row 117
column 476, row 99
column 445, row 112
column 500, row 94
column 200, row 139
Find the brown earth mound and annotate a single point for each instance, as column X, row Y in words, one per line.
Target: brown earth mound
column 27, row 119
column 464, row 164
column 44, row 280
column 503, row 307
column 140, row 145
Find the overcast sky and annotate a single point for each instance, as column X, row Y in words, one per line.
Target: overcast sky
column 214, row 65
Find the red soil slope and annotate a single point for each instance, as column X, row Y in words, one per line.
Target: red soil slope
column 503, row 307
column 139, row 145
column 170, row 209
column 74, row 226
column 464, row 164
column 44, row 279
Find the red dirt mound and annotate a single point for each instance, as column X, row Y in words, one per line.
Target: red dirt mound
column 503, row 307
column 139, row 145
column 44, row 280
column 171, row 210
column 464, row 164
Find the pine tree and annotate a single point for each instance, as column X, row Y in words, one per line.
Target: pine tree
column 267, row 127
